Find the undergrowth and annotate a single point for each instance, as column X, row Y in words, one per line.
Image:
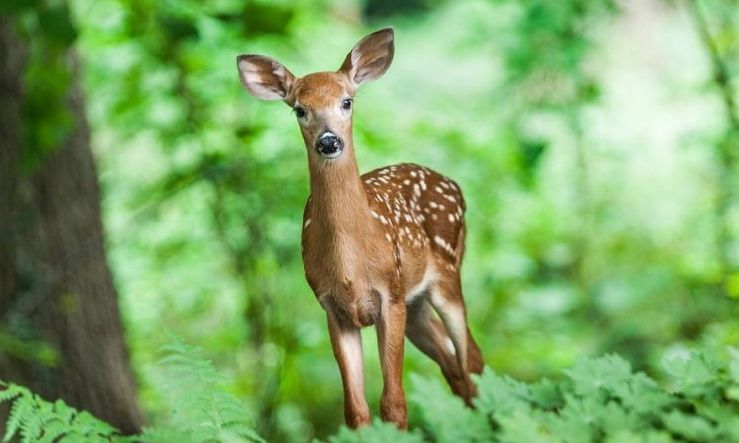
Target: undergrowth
column 598, row 400
column 200, row 409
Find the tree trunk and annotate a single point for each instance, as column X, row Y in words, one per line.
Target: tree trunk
column 10, row 139
column 55, row 283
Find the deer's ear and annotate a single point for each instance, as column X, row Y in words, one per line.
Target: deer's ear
column 264, row 77
column 371, row 57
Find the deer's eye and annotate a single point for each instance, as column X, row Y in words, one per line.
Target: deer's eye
column 299, row 111
column 346, row 103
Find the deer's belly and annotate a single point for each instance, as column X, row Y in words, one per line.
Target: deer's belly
column 355, row 285
column 356, row 308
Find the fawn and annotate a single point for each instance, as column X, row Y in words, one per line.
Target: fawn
column 383, row 248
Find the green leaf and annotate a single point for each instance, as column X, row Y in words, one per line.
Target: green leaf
column 17, row 6
column 594, row 376
column 446, row 416
column 519, row 426
column 500, row 394
column 56, row 23
column 691, row 427
column 695, row 375
column 377, row 432
column 642, row 395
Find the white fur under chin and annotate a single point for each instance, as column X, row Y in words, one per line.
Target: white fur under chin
column 331, row 156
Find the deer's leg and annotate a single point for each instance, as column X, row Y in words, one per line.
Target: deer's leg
column 347, row 345
column 391, row 338
column 429, row 335
column 475, row 355
column 476, row 362
column 446, row 298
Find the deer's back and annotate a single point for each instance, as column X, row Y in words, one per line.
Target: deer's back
column 423, row 208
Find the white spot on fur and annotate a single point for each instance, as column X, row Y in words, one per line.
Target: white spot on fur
column 444, row 245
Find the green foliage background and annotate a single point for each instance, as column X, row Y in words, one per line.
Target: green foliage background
column 594, row 141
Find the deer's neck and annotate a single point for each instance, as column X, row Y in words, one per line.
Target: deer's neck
column 338, row 197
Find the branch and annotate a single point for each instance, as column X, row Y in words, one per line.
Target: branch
column 718, row 66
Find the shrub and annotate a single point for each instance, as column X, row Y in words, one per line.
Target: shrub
column 201, row 411
column 598, row 400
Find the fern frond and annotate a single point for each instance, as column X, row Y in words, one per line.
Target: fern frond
column 33, row 419
column 9, row 392
column 20, row 412
column 202, row 411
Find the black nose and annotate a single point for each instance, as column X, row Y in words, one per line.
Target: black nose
column 329, row 144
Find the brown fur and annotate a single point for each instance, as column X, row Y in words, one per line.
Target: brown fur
column 320, row 89
column 384, row 248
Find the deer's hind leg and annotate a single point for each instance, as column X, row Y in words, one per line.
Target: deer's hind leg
column 446, row 298
column 430, row 336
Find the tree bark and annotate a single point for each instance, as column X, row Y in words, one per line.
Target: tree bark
column 55, row 284
column 10, row 138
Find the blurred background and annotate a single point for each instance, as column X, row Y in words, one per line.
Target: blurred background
column 596, row 143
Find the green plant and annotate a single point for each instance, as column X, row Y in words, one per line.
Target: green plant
column 201, row 411
column 599, row 400
column 34, row 419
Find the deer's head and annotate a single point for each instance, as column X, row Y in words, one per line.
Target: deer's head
column 322, row 101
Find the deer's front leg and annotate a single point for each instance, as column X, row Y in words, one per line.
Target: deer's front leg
column 391, row 338
column 346, row 341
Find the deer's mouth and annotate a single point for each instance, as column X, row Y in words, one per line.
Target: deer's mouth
column 329, row 145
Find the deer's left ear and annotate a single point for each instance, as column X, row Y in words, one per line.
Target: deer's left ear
column 264, row 77
column 371, row 57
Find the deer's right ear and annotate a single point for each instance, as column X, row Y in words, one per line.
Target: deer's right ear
column 264, row 77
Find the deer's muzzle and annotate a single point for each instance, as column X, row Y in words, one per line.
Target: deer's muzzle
column 329, row 145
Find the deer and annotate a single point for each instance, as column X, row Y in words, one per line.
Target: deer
column 383, row 248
